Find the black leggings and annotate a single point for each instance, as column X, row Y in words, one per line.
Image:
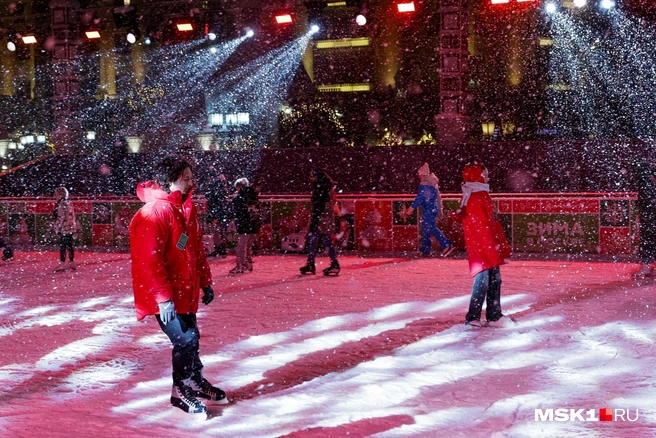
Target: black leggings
column 65, row 243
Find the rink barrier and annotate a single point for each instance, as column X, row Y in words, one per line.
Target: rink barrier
column 604, row 223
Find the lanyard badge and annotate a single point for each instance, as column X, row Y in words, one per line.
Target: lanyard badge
column 182, row 242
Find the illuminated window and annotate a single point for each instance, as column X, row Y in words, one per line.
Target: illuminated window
column 343, row 43
column 344, row 88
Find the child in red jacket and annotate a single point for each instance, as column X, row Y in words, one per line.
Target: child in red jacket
column 487, row 247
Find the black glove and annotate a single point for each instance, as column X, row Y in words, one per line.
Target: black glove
column 208, row 295
column 166, row 312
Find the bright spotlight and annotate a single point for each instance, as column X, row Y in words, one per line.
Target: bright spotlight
column 131, row 38
column 211, row 36
column 29, row 39
column 147, row 40
column 607, row 4
column 11, row 46
column 550, row 8
column 250, row 33
column 361, row 20
column 314, row 28
column 580, row 3
column 213, row 49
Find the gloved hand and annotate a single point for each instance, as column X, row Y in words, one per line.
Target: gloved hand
column 208, row 295
column 166, row 311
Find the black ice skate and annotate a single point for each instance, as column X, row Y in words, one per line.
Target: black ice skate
column 332, row 270
column 308, row 269
column 183, row 397
column 204, row 389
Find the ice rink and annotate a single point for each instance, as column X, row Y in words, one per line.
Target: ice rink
column 379, row 351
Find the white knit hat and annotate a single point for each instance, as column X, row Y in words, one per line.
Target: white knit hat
column 242, row 182
column 423, row 170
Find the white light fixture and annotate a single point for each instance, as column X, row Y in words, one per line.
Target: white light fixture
column 314, row 28
column 20, row 146
column 11, row 46
column 92, row 34
column 147, row 40
column 11, row 145
column 205, row 141
column 132, row 38
column 550, row 8
column 213, row 49
column 216, row 119
column 4, row 167
column 91, row 135
column 361, row 20
column 40, row 138
column 211, row 36
column 4, row 145
column 250, row 33
column 243, row 118
column 134, row 143
column 29, row 39
column 580, row 3
column 607, row 4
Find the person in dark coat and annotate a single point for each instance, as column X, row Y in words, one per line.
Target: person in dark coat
column 245, row 208
column 322, row 222
column 218, row 213
column 7, row 252
column 645, row 173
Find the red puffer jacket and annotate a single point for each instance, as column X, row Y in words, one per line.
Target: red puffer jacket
column 161, row 271
column 481, row 238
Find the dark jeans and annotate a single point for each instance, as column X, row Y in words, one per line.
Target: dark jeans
column 486, row 283
column 312, row 243
column 428, row 229
column 185, row 337
column 65, row 243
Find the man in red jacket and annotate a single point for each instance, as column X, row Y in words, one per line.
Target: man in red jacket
column 169, row 268
column 486, row 244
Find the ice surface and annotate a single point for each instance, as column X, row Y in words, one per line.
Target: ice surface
column 379, row 351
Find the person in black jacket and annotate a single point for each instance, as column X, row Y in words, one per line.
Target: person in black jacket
column 7, row 252
column 245, row 213
column 645, row 173
column 322, row 222
column 218, row 213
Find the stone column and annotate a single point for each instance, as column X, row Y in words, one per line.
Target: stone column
column 66, row 76
column 452, row 121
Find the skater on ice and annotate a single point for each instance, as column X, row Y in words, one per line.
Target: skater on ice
column 169, row 268
column 65, row 227
column 322, row 223
column 246, row 214
column 428, row 197
column 645, row 173
column 486, row 244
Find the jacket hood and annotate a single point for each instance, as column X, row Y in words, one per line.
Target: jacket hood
column 473, row 173
column 149, row 191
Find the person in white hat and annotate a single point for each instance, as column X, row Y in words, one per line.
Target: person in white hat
column 428, row 197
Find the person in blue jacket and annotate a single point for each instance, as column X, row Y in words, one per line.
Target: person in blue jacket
column 428, row 197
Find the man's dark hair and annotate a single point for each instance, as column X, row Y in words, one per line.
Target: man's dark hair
column 169, row 170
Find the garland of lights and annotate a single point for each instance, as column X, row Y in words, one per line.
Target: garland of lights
column 292, row 115
column 138, row 97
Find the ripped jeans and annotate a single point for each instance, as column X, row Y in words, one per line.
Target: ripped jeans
column 486, row 284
